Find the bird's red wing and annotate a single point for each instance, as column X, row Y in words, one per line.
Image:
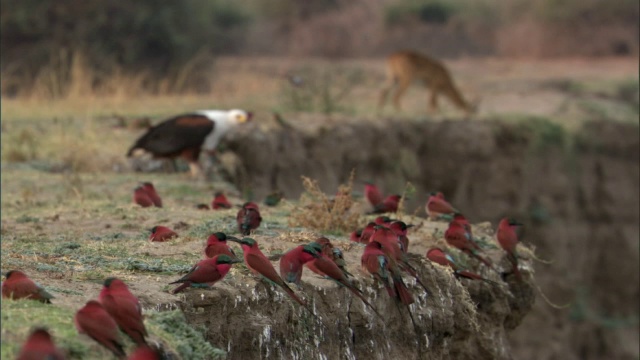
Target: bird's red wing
column 441, row 206
column 263, row 266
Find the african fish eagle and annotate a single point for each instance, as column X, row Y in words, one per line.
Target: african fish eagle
column 186, row 135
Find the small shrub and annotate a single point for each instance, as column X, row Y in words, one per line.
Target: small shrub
column 316, row 210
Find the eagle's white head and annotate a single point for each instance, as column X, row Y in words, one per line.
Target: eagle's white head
column 239, row 116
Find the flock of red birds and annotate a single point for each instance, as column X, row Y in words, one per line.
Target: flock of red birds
column 384, row 256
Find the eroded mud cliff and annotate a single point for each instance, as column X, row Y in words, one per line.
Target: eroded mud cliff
column 577, row 193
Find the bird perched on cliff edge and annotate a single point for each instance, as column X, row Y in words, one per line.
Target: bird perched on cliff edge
column 186, row 135
column 438, row 208
column 206, row 272
column 508, row 239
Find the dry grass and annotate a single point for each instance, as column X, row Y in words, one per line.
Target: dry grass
column 317, row 210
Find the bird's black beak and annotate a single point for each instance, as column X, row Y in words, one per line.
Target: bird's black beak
column 233, row 238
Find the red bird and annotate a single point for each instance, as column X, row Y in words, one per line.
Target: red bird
column 141, row 197
column 292, row 262
column 383, row 269
column 392, row 247
column 153, row 194
column 390, row 204
column 18, row 286
column 220, row 202
column 457, row 236
column 440, row 257
column 364, row 234
column 161, row 233
column 39, row 346
column 356, row 235
column 95, row 321
column 145, row 353
column 460, row 219
column 508, row 239
column 438, row 208
column 260, row 265
column 331, row 270
column 217, row 245
column 372, row 193
column 400, row 228
column 124, row 308
column 206, row 272
column 248, row 218
column 323, row 245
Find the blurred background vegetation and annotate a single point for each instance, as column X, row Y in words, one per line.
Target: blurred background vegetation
column 53, row 49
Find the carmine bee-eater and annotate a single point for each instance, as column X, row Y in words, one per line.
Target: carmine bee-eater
column 220, row 201
column 439, row 208
column 39, row 346
column 355, row 235
column 124, row 308
column 141, row 197
column 330, row 269
column 508, row 240
column 440, row 257
column 363, row 235
column 292, row 262
column 384, row 270
column 462, row 220
column 322, row 244
column 161, row 233
column 217, row 245
column 18, row 286
column 153, row 194
column 144, row 352
column 206, row 272
column 94, row 321
column 389, row 204
column 248, row 218
column 258, row 263
column 457, row 236
column 392, row 247
column 400, row 228
column 372, row 193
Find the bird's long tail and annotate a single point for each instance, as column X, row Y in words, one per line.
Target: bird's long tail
column 402, row 291
column 180, row 288
column 359, row 294
column 473, row 276
column 483, row 260
column 412, row 271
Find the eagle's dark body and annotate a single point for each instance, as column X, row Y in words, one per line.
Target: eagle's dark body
column 186, row 135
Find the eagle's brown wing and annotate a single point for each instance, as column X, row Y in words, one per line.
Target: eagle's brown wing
column 171, row 137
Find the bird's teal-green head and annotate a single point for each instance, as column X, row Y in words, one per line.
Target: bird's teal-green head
column 108, row 281
column 224, row 237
